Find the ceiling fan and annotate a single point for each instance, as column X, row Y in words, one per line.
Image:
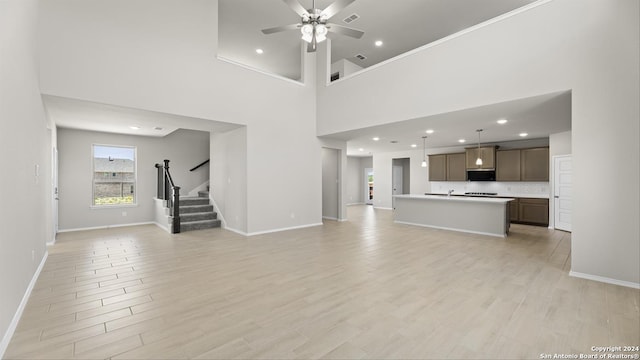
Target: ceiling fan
column 314, row 25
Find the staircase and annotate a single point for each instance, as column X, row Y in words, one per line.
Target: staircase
column 196, row 213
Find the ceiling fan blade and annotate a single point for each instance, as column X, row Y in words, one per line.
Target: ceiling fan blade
column 280, row 28
column 343, row 30
column 335, row 8
column 295, row 6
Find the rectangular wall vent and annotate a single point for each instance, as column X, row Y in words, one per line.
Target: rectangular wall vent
column 361, row 57
column 351, row 18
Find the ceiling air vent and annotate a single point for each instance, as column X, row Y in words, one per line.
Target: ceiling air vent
column 360, row 57
column 351, row 18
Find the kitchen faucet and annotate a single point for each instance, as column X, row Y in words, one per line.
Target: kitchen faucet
column 450, row 191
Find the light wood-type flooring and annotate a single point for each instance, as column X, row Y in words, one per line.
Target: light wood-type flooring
column 365, row 288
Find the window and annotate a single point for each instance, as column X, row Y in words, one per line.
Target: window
column 114, row 175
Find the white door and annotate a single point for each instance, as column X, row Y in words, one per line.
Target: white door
column 396, row 182
column 562, row 192
column 54, row 187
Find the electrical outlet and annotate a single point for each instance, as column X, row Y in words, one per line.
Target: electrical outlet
column 33, row 255
column 293, row 215
column 124, row 213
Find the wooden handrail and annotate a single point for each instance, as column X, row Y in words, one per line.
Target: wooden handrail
column 199, row 165
column 167, row 190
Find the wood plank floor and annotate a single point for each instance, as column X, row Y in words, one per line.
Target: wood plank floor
column 366, row 288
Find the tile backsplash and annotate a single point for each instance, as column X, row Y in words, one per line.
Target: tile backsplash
column 515, row 189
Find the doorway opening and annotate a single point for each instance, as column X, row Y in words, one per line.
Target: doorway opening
column 331, row 184
column 368, row 186
column 400, row 178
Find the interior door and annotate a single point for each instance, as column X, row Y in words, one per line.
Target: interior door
column 396, row 183
column 54, row 187
column 562, row 192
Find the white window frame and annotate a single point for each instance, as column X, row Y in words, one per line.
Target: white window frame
column 93, row 178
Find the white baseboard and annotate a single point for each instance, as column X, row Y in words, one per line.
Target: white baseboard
column 271, row 231
column 107, row 227
column 604, row 279
column 163, row 227
column 382, row 208
column 25, row 298
column 330, row 218
column 357, row 203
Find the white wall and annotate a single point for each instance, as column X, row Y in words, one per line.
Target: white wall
column 331, row 183
column 382, row 169
column 25, row 143
column 229, row 178
column 184, row 149
column 160, row 55
column 345, row 68
column 595, row 55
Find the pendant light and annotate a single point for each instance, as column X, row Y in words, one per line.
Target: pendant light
column 424, row 152
column 479, row 159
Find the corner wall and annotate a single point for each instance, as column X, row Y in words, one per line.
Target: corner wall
column 25, row 142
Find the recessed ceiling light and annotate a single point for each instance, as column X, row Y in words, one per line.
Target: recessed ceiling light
column 379, row 43
column 259, row 51
column 414, row 145
column 502, row 121
column 430, row 131
column 361, row 149
column 524, row 134
column 462, row 140
column 376, row 138
column 157, row 128
column 134, row 127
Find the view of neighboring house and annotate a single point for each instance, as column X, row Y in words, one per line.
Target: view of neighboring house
column 113, row 178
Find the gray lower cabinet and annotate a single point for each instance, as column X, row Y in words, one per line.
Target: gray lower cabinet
column 513, row 210
column 533, row 211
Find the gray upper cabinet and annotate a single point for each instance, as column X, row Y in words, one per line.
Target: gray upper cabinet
column 534, row 164
column 456, row 170
column 447, row 167
column 438, row 167
column 487, row 154
column 508, row 165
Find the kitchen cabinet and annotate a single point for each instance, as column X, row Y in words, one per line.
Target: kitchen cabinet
column 438, row 167
column 447, row 167
column 513, row 210
column 487, row 154
column 534, row 164
column 533, row 211
column 456, row 170
column 523, row 164
column 508, row 165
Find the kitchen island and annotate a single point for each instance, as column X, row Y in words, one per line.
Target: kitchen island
column 477, row 215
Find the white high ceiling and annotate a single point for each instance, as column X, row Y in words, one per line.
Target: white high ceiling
column 537, row 116
column 402, row 25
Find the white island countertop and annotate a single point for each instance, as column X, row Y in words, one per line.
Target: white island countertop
column 497, row 200
column 478, row 215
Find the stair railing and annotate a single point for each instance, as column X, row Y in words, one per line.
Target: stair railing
column 169, row 192
column 200, row 165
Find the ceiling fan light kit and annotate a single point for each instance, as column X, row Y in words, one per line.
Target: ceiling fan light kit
column 313, row 23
